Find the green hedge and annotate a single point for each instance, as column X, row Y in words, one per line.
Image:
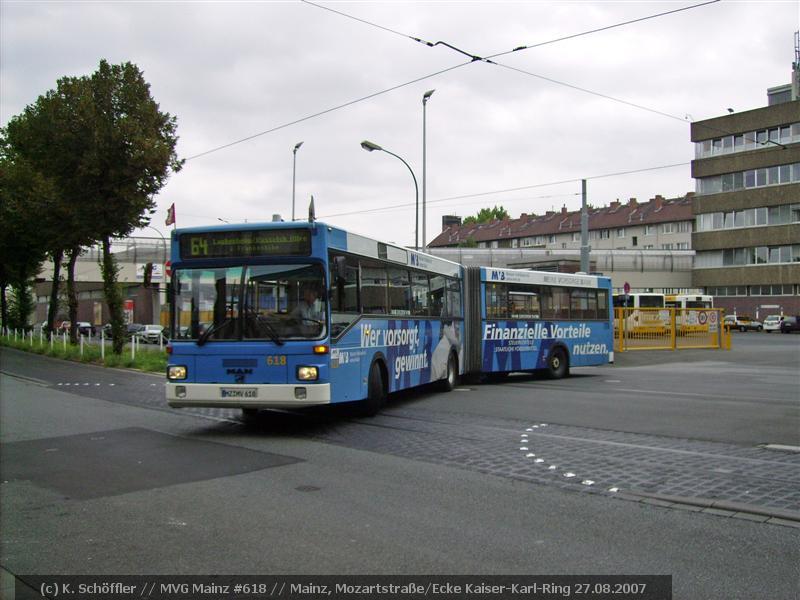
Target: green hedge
column 145, row 360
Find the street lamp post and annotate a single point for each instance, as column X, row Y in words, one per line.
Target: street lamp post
column 370, row 147
column 157, row 308
column 294, row 171
column 425, row 97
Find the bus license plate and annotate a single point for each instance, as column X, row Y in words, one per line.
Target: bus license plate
column 239, row 392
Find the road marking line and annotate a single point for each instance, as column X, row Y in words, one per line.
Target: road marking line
column 780, row 447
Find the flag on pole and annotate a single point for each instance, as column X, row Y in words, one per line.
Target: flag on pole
column 170, row 215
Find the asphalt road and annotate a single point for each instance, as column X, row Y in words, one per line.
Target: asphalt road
column 100, row 477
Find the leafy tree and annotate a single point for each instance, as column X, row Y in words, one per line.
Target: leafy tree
column 46, row 136
column 109, row 148
column 125, row 162
column 487, row 215
column 20, row 305
column 23, row 195
column 468, row 243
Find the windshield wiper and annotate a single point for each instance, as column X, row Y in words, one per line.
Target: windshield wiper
column 211, row 329
column 271, row 331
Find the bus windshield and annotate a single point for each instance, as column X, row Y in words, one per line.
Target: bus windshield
column 275, row 302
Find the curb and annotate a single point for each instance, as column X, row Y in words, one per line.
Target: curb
column 724, row 508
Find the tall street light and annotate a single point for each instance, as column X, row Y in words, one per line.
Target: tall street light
column 425, row 97
column 294, row 171
column 370, row 147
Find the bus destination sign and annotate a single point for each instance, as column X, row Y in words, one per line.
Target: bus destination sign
column 243, row 244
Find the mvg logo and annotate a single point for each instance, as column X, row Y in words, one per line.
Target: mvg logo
column 414, row 260
column 497, row 276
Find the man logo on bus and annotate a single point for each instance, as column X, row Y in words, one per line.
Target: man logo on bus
column 498, row 276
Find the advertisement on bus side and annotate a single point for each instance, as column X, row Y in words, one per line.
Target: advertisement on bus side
column 525, row 345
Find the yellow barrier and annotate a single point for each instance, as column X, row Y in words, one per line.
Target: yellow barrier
column 669, row 329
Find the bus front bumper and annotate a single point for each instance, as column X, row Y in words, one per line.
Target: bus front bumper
column 182, row 395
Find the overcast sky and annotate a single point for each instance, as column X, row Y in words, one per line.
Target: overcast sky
column 230, row 70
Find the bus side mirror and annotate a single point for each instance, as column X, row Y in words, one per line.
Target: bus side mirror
column 341, row 269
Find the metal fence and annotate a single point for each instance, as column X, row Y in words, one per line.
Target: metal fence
column 669, row 329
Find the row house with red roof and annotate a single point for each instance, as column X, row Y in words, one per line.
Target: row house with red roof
column 659, row 224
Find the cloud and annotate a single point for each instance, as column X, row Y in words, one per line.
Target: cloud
column 232, row 70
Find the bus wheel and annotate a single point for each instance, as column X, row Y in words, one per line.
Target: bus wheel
column 376, row 392
column 557, row 365
column 451, row 379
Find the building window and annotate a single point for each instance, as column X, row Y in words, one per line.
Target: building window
column 750, row 217
column 620, row 232
column 758, row 255
column 649, row 229
column 785, row 134
column 634, row 241
column 605, row 234
column 668, row 228
column 753, row 178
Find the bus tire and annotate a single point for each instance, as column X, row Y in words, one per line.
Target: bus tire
column 376, row 391
column 557, row 363
column 450, row 380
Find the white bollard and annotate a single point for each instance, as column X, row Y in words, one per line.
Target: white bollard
column 51, row 341
column 65, row 341
column 41, row 335
column 81, row 345
column 133, row 348
column 103, row 345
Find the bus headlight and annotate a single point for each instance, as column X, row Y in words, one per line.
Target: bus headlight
column 175, row 372
column 307, row 373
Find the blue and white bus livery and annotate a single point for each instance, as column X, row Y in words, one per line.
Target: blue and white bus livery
column 287, row 315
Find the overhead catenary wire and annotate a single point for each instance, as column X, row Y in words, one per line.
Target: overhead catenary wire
column 325, row 111
column 473, row 58
column 517, row 189
column 406, row 205
column 599, row 29
column 489, row 59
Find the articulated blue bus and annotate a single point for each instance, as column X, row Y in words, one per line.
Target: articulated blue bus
column 288, row 315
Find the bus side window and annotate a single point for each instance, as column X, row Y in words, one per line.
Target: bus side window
column 602, row 305
column 497, row 301
column 399, row 292
column 454, row 298
column 343, row 293
column 420, row 293
column 437, row 295
column 373, row 287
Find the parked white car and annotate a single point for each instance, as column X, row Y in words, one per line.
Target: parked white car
column 150, row 334
column 772, row 323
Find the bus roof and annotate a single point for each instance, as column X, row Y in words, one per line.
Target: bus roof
column 544, row 277
column 340, row 239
